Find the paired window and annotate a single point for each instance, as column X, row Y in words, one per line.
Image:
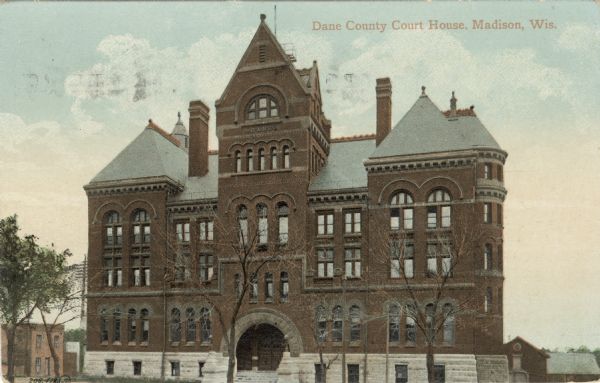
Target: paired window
column 112, row 262
column 352, row 222
column 439, row 214
column 132, row 326
column 262, row 106
column 190, row 328
column 325, row 223
column 352, row 262
column 141, row 227
column 206, row 230
column 442, row 251
column 402, row 259
column 325, row 263
column 183, row 231
column 113, row 229
column 401, row 212
column 140, row 257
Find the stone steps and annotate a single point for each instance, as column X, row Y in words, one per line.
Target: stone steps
column 256, row 377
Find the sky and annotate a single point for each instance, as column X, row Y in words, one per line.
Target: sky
column 78, row 81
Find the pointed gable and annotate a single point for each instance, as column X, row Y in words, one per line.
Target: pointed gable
column 150, row 154
column 425, row 129
column 263, row 51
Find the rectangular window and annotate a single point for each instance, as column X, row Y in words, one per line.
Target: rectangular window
column 352, row 222
column 401, row 373
column 439, row 373
column 431, row 217
column 200, row 368
column 47, row 366
column 56, row 342
column 254, row 288
column 395, row 219
column 325, row 263
column 431, row 260
column 409, row 260
column 119, row 236
column 110, row 367
column 206, row 231
column 206, row 268
column 137, row 234
column 499, row 214
column 183, row 231
column 38, row 341
column 353, row 373
column 325, row 224
column 487, row 212
column 487, row 171
column 320, row 373
column 263, row 230
column 175, row 368
column 283, row 230
column 447, row 265
column 446, row 216
column 137, row 367
column 38, row 365
column 269, row 287
column 146, row 235
column 500, row 173
column 352, row 262
column 337, row 330
column 109, row 236
column 408, row 218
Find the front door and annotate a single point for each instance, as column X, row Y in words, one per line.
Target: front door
column 260, row 348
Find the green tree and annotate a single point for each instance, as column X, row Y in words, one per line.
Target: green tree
column 26, row 280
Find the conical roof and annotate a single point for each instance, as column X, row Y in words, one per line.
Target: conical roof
column 179, row 128
column 150, row 154
column 425, row 129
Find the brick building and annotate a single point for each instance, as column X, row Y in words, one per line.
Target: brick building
column 328, row 215
column 32, row 354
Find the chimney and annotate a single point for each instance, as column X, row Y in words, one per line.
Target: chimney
column 384, row 109
column 453, row 106
column 198, row 130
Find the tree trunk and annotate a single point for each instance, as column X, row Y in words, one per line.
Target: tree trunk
column 430, row 375
column 231, row 354
column 10, row 335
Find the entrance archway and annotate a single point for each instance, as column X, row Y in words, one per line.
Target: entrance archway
column 260, row 348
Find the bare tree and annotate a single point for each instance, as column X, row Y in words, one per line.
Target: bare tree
column 451, row 248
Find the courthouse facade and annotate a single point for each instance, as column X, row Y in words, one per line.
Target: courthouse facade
column 354, row 232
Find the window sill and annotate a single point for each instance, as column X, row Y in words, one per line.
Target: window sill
column 324, row 236
column 206, row 344
column 260, row 121
column 354, row 343
column 269, row 300
column 258, row 172
column 131, row 343
column 104, row 343
column 410, row 344
column 353, row 235
column 253, row 301
column 189, row 344
column 323, row 278
column 283, row 300
column 144, row 344
column 174, row 344
column 117, row 343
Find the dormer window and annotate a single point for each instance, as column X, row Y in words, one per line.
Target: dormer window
column 262, row 106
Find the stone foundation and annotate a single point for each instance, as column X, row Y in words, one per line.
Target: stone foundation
column 301, row 369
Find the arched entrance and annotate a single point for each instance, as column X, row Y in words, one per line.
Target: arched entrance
column 260, row 348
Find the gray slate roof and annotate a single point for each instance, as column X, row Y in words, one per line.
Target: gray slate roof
column 148, row 155
column 344, row 168
column 424, row 129
column 572, row 363
column 201, row 187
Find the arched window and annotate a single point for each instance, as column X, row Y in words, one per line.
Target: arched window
column 487, row 257
column 132, row 325
column 117, row 325
column 141, row 227
column 249, row 161
column 262, row 106
column 190, row 327
column 254, row 287
column 269, row 287
column 394, row 323
column 238, row 161
column 439, row 213
column 175, row 325
column 205, row 325
column 321, row 319
column 145, row 318
column 282, row 217
column 338, row 324
column 273, row 158
column 355, row 326
column 284, row 289
column 487, row 303
column 286, row 157
column 411, row 327
column 401, row 211
column 263, row 225
column 448, row 323
column 261, row 159
column 430, row 323
column 103, row 326
column 243, row 224
column 113, row 230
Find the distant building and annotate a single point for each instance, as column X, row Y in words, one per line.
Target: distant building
column 32, row 353
column 572, row 367
column 527, row 363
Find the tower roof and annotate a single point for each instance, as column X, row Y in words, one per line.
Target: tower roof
column 179, row 127
column 153, row 153
column 426, row 129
